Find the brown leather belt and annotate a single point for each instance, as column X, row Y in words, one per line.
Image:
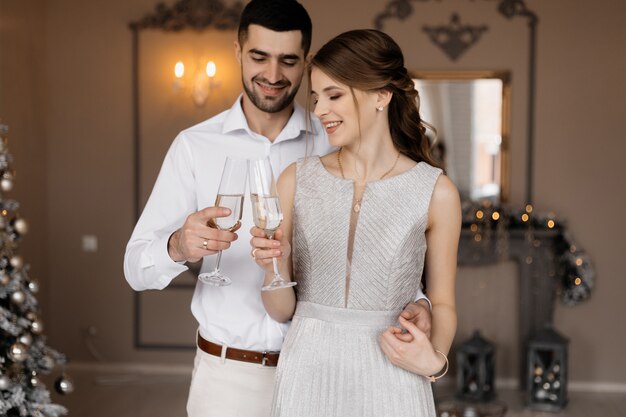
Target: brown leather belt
column 262, row 358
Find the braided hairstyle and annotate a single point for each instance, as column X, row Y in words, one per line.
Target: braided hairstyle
column 370, row 60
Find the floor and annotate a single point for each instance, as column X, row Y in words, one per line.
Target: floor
column 136, row 395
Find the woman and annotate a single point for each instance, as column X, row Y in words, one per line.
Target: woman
column 362, row 222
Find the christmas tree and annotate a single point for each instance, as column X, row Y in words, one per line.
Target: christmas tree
column 24, row 355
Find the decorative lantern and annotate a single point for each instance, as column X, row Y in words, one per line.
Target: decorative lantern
column 476, row 369
column 547, row 371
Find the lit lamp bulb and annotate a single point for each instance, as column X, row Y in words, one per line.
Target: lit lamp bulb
column 211, row 69
column 179, row 72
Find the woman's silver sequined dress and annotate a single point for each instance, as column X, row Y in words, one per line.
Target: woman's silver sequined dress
column 331, row 364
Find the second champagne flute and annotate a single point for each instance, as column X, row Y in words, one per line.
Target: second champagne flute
column 230, row 195
column 266, row 210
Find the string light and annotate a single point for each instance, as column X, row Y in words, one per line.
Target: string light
column 483, row 218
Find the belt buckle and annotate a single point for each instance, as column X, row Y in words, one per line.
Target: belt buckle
column 264, row 357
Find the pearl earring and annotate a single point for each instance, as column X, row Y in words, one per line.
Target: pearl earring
column 379, row 108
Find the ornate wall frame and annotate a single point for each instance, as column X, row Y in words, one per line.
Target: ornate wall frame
column 183, row 15
column 535, row 252
column 455, row 37
column 402, row 9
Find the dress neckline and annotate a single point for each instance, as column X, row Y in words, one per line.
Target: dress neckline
column 351, row 181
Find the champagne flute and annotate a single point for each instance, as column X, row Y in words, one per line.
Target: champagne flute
column 230, row 195
column 266, row 210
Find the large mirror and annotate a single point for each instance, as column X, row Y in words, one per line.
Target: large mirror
column 184, row 71
column 470, row 113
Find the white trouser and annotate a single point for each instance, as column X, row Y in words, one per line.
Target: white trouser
column 227, row 388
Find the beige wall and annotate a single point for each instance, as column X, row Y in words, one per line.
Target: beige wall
column 89, row 131
column 581, row 166
column 86, row 102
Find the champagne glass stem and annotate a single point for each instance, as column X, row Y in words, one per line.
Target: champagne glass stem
column 217, row 261
column 277, row 279
column 274, row 260
column 276, row 273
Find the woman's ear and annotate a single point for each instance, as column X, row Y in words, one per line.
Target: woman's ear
column 383, row 98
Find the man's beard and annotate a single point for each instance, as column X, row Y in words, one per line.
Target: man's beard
column 268, row 105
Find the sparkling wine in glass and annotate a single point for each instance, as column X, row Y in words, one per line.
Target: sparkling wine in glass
column 266, row 210
column 230, row 195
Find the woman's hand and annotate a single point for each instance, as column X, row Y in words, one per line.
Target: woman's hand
column 264, row 249
column 280, row 304
column 412, row 351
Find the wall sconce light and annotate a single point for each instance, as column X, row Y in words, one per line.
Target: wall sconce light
column 201, row 84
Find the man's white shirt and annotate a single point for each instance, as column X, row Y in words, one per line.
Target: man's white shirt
column 188, row 181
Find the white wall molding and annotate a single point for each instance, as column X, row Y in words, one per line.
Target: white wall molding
column 130, row 372
column 572, row 386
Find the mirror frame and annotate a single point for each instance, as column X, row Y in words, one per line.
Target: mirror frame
column 195, row 15
column 505, row 77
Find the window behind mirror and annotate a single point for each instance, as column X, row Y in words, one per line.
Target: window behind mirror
column 469, row 117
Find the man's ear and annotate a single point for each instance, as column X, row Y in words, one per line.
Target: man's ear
column 238, row 51
column 308, row 59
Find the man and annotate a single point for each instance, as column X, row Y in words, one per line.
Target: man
column 238, row 343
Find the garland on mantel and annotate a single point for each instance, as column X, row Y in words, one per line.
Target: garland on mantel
column 577, row 274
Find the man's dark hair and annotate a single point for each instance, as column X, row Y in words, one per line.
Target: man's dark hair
column 276, row 15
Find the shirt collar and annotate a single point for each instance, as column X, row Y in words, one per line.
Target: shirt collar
column 236, row 120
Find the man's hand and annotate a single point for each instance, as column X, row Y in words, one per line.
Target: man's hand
column 418, row 313
column 196, row 238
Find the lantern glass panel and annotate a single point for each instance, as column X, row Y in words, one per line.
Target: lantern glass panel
column 476, row 369
column 547, row 371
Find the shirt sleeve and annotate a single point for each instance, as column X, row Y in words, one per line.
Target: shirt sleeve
column 147, row 264
column 421, row 296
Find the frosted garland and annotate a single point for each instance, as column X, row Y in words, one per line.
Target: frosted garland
column 486, row 220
